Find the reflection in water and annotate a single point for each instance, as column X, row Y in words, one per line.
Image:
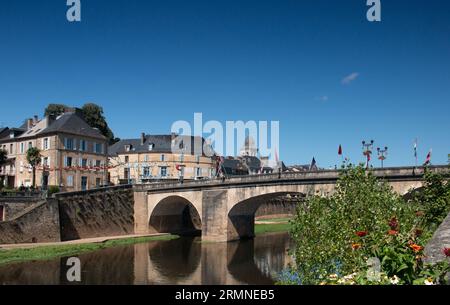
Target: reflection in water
column 180, row 261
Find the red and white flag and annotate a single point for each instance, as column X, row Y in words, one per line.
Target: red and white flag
column 428, row 159
column 340, row 150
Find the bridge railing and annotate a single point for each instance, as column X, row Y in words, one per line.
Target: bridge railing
column 307, row 175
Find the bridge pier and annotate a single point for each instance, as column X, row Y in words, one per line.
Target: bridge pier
column 215, row 215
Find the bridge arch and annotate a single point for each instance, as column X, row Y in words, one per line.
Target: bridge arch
column 241, row 214
column 175, row 214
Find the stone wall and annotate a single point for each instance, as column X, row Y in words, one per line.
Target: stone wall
column 15, row 206
column 69, row 216
column 278, row 206
column 97, row 213
column 40, row 224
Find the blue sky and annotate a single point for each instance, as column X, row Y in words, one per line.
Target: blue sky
column 150, row 63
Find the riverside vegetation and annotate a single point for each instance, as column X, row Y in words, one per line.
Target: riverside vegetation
column 365, row 222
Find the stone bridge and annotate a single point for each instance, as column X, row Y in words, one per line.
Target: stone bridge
column 224, row 210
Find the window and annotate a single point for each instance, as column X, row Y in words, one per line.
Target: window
column 11, row 148
column 68, row 144
column 30, row 145
column 1, row 213
column 98, row 164
column 151, row 146
column 69, row 181
column 146, row 158
column 45, row 162
column 98, row 182
column 163, row 158
column 68, row 162
column 146, row 171
column 45, row 144
column 126, row 174
column 128, row 147
column 181, row 158
column 98, row 148
column 22, row 148
column 84, row 162
column 83, row 145
column 198, row 172
column 127, row 159
column 163, row 171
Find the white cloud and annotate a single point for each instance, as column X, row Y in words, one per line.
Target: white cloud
column 350, row 78
column 322, row 98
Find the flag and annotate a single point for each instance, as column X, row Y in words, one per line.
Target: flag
column 415, row 148
column 428, row 159
column 313, row 164
column 340, row 150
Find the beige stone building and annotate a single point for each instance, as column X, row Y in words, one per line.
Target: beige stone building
column 160, row 157
column 74, row 155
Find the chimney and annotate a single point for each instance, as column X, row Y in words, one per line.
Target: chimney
column 29, row 124
column 142, row 138
column 35, row 119
column 49, row 120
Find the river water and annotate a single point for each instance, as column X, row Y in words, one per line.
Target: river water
column 178, row 261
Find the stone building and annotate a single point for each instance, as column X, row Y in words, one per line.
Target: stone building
column 160, row 157
column 74, row 155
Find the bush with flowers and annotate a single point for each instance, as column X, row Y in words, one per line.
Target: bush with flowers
column 363, row 221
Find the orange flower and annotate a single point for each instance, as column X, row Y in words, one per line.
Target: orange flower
column 356, row 246
column 416, row 248
column 392, row 232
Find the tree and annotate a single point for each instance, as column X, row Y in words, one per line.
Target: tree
column 93, row 114
column 3, row 158
column 55, row 109
column 34, row 159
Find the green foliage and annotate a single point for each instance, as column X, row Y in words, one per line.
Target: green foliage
column 52, row 189
column 34, row 156
column 363, row 219
column 93, row 114
column 3, row 158
column 34, row 159
column 55, row 110
column 433, row 199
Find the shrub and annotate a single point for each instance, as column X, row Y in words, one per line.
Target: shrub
column 52, row 189
column 364, row 219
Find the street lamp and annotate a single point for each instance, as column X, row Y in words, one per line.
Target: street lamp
column 367, row 150
column 382, row 154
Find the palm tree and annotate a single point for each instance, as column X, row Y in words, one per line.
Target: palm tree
column 34, row 159
column 3, row 159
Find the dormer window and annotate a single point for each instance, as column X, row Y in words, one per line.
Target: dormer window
column 128, row 147
column 151, row 146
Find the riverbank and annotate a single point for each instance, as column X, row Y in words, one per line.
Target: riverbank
column 18, row 253
column 271, row 225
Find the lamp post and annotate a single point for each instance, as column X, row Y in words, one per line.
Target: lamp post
column 367, row 150
column 382, row 154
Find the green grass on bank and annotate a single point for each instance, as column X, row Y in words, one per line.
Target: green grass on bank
column 50, row 252
column 269, row 228
column 283, row 219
